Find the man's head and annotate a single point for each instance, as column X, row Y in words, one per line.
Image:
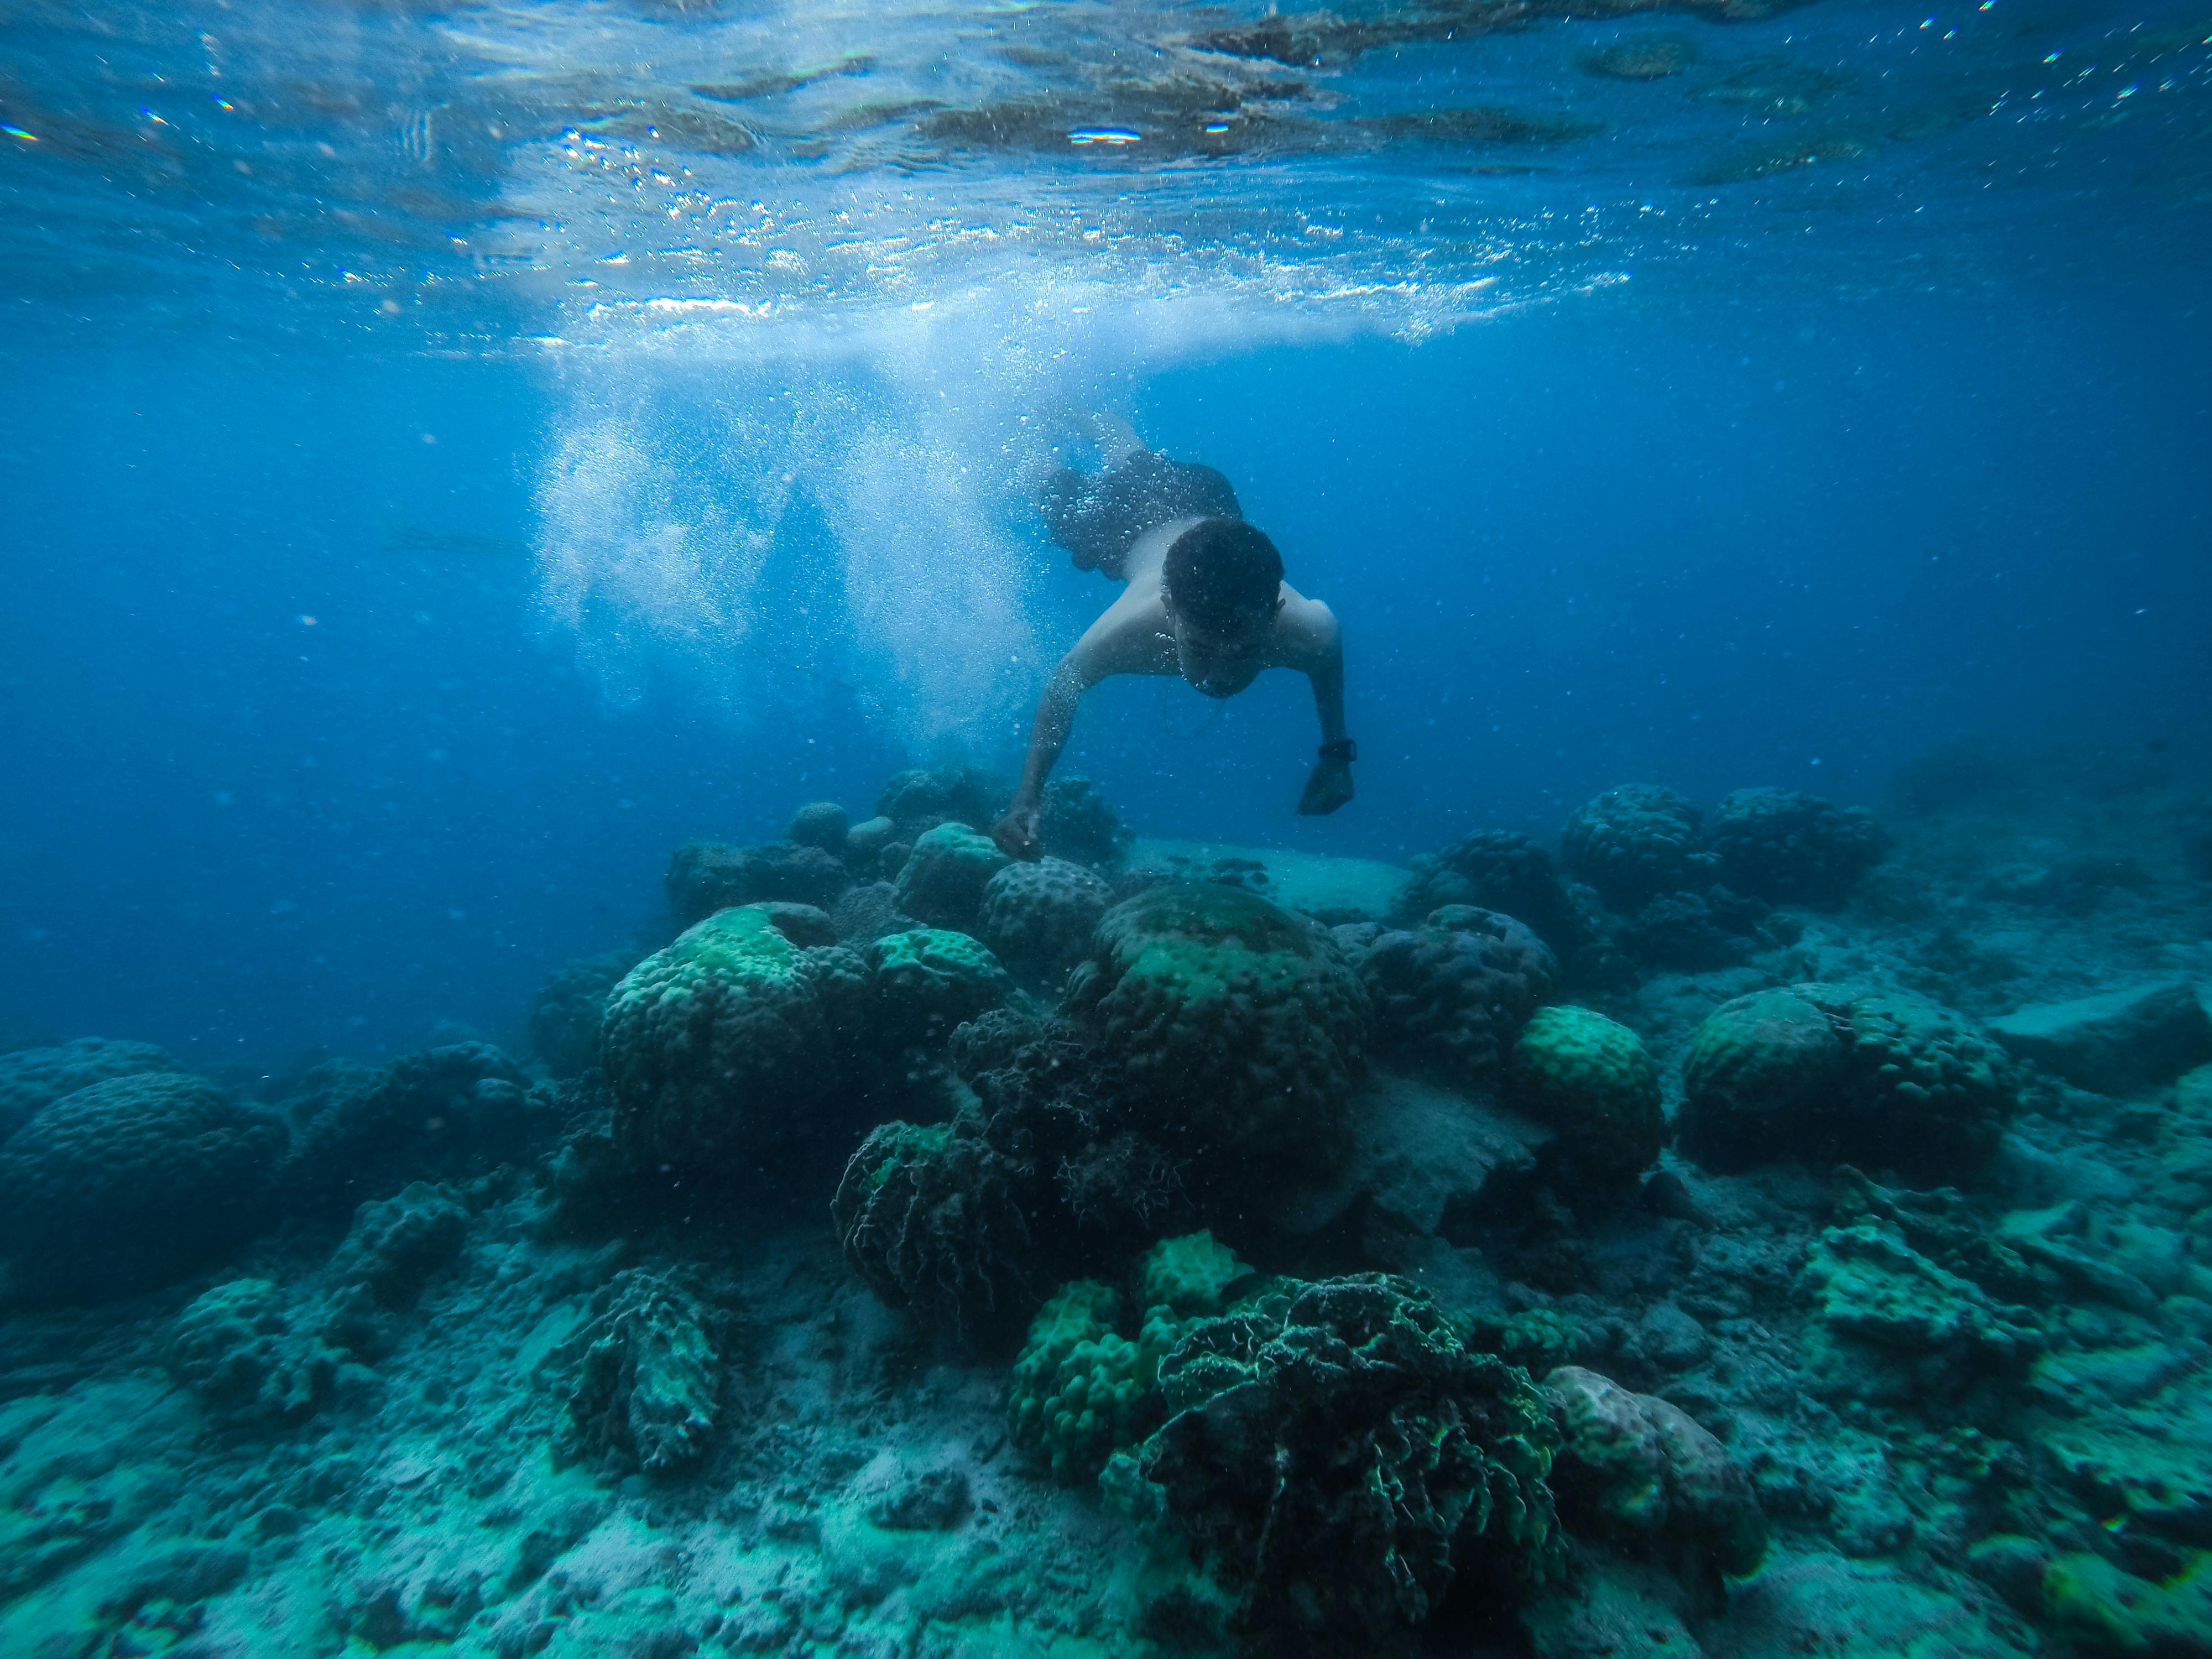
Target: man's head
column 1223, row 583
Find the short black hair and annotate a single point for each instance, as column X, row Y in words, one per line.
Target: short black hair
column 1221, row 571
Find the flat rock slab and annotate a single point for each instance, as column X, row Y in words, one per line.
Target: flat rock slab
column 2117, row 1043
column 1333, row 889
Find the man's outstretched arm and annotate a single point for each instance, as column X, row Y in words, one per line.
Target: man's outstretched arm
column 1016, row 832
column 1329, row 784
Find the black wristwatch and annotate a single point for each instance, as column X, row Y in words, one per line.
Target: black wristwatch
column 1342, row 749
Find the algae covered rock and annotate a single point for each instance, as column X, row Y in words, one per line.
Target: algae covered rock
column 442, row 1113
column 1078, row 823
column 728, row 1040
column 32, row 1080
column 942, row 882
column 1635, row 842
column 1841, row 1072
column 1641, row 1472
column 1793, row 848
column 1591, row 1080
column 565, row 1014
column 928, row 981
column 1235, row 1026
column 648, row 1375
column 2115, row 1043
column 1891, row 1324
column 1189, row 1275
column 704, row 877
column 1039, row 915
column 918, row 800
column 1338, row 1457
column 131, row 1182
column 248, row 1354
column 1451, row 995
column 396, row 1244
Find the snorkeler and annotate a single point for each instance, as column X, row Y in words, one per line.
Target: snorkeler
column 1206, row 599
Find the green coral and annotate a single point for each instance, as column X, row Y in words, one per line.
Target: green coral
column 1336, row 1455
column 1236, row 1025
column 943, row 879
column 1188, row 1274
column 726, row 1042
column 1080, row 1390
column 929, row 980
column 2110, row 1611
column 1590, row 1078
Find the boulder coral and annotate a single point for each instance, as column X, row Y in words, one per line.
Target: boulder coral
column 1337, row 1457
column 1039, row 915
column 942, row 882
column 1635, row 842
column 927, row 982
column 32, row 1080
column 1451, row 995
column 442, row 1113
column 1591, row 1080
column 1793, row 848
column 1236, row 1027
column 704, row 877
column 248, row 1354
column 1841, row 1072
column 728, row 1040
column 1080, row 824
column 132, row 1183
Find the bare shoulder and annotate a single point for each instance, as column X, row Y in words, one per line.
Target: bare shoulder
column 1132, row 635
column 1306, row 631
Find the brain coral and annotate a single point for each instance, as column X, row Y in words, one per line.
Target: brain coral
column 935, row 1219
column 1452, row 994
column 725, row 1042
column 1634, row 843
column 1590, row 1078
column 942, row 881
column 32, row 1080
column 1236, row 1025
column 1792, row 848
column 928, row 981
column 1829, row 1073
column 130, row 1182
column 1338, row 1457
column 1039, row 916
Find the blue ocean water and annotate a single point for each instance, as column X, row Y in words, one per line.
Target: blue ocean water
column 455, row 456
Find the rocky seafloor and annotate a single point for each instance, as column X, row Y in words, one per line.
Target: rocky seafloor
column 1757, row 1230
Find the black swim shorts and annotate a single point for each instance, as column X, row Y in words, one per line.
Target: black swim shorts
column 1098, row 517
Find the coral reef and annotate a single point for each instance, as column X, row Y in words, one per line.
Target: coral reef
column 917, row 801
column 1337, row 1458
column 1236, row 1026
column 395, row 1243
column 726, row 1041
column 820, row 823
column 131, row 1182
column 32, row 1080
column 1080, row 824
column 704, row 877
column 1451, row 995
column 928, row 981
column 942, row 882
column 647, row 1388
column 1590, row 1079
column 1792, row 848
column 1635, row 842
column 249, row 1354
column 1039, row 916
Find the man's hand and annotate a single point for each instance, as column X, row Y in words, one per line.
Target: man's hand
column 1016, row 832
column 1328, row 788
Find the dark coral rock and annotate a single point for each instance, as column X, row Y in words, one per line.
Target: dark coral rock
column 918, row 801
column 131, row 1182
column 1079, row 824
column 1498, row 870
column 704, row 877
column 1792, row 848
column 248, row 1354
column 927, row 982
column 1452, row 995
column 444, row 1114
column 397, row 1242
column 1695, row 933
column 820, row 823
column 944, row 874
column 32, row 1080
column 649, row 1376
column 1635, row 842
column 1039, row 915
column 1338, row 1458
column 936, row 1219
column 564, row 1016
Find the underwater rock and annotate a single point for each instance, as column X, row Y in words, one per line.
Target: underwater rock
column 1641, row 1472
column 2109, row 1610
column 927, row 982
column 396, row 1244
column 2119, row 1043
column 1039, row 916
column 1591, row 1080
column 820, row 823
column 1635, row 842
column 248, row 1354
column 726, row 1042
column 704, row 877
column 865, row 841
column 1841, row 1073
column 444, row 1114
column 648, row 1388
column 131, row 1182
column 943, row 879
column 1235, row 1026
column 1793, row 848
column 1498, row 870
column 1337, row 1457
column 1077, row 823
column 1452, row 995
column 1891, row 1325
column 1695, row 933
column 565, row 1014
column 918, row 801
column 32, row 1080
column 935, row 1500
column 936, row 1219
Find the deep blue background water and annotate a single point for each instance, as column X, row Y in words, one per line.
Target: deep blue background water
column 1709, row 540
